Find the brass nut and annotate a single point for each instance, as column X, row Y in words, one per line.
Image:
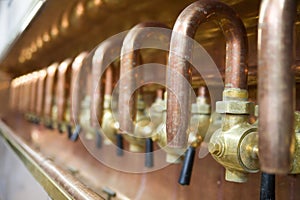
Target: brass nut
column 235, row 107
column 235, row 94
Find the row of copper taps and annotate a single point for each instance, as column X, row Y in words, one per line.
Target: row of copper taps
column 270, row 144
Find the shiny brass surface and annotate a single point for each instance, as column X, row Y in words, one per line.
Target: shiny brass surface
column 109, row 125
column 199, row 122
column 235, row 144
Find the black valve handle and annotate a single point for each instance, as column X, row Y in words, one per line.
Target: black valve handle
column 49, row 124
column 187, row 167
column 98, row 139
column 69, row 131
column 149, row 153
column 35, row 120
column 75, row 134
column 59, row 127
column 267, row 186
column 120, row 146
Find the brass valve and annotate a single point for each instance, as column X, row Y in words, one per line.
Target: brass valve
column 160, row 136
column 141, row 129
column 235, row 144
column 109, row 125
column 199, row 123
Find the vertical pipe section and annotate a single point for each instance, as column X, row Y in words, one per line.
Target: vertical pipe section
column 275, row 84
column 181, row 48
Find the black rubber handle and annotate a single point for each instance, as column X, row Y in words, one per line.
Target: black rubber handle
column 120, row 146
column 74, row 137
column 187, row 167
column 49, row 124
column 36, row 120
column 267, row 186
column 149, row 153
column 69, row 130
column 98, row 139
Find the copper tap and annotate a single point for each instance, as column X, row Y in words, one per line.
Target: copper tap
column 62, row 93
column 101, row 98
column 74, row 97
column 129, row 60
column 236, row 61
column 275, row 85
column 40, row 102
column 50, row 95
column 33, row 97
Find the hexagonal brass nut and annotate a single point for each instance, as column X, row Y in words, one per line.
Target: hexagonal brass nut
column 235, row 107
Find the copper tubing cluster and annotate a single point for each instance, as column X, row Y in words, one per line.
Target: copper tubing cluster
column 130, row 58
column 58, row 85
column 236, row 60
column 275, row 85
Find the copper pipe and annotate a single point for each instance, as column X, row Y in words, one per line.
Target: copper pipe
column 159, row 94
column 236, row 60
column 275, row 85
column 108, row 81
column 130, row 58
column 42, row 75
column 61, row 88
column 103, row 54
column 202, row 91
column 74, row 96
column 33, row 98
column 50, row 89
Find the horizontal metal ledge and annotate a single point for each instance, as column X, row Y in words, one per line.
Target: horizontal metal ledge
column 58, row 183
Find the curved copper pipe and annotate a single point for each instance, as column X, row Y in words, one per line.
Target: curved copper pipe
column 61, row 88
column 102, row 55
column 130, row 58
column 50, row 89
column 236, row 60
column 275, row 84
column 33, row 98
column 74, row 96
column 42, row 75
